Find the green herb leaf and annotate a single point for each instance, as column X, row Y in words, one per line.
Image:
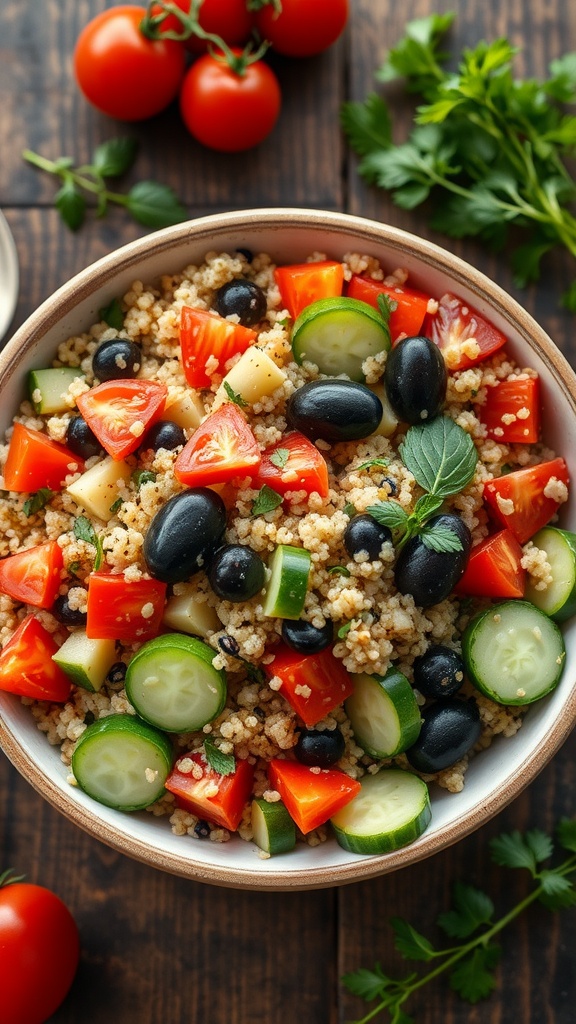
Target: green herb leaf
column 471, row 909
column 266, row 501
column 234, row 396
column 410, row 943
column 114, row 157
column 390, row 514
column 441, row 539
column 440, row 455
column 70, row 204
column 338, row 570
column 367, row 125
column 83, row 530
column 349, row 509
column 115, row 506
column 344, row 630
column 566, row 833
column 280, row 457
column 224, row 764
column 36, row 502
column 112, row 315
column 143, row 476
column 365, row 984
column 557, row 891
column 426, row 506
column 371, row 462
column 473, row 978
column 517, row 850
column 154, row 205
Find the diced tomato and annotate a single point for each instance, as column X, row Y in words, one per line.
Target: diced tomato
column 204, row 336
column 126, row 610
column 303, row 283
column 465, row 337
column 511, row 411
column 294, row 464
column 217, row 798
column 26, row 665
column 494, row 568
column 33, row 576
column 519, row 500
column 311, row 796
column 121, row 411
column 313, row 684
column 34, row 461
column 411, row 305
column 221, row 448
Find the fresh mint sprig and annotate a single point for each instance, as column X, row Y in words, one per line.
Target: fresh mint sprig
column 150, row 203
column 470, row 963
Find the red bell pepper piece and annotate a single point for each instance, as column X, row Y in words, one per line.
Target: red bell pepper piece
column 411, row 305
column 511, row 411
column 303, row 283
column 311, row 795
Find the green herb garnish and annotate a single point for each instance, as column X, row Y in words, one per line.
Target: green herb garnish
column 115, row 506
column 149, row 203
column 83, row 530
column 490, row 146
column 349, row 509
column 234, row 396
column 266, row 501
column 36, row 502
column 470, row 962
column 224, row 764
column 338, row 570
column 143, row 476
column 372, row 462
column 112, row 315
column 280, row 457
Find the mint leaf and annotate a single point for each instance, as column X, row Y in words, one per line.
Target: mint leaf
column 112, row 315
column 114, row 157
column 440, row 455
column 426, row 506
column 441, row 539
column 154, row 205
column 233, row 396
column 224, row 764
column 410, row 943
column 266, row 501
column 349, row 509
column 473, row 978
column 70, row 204
column 280, row 457
column 143, row 476
column 390, row 514
column 472, row 907
column 36, row 502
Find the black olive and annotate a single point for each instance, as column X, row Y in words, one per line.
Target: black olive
column 229, row 645
column 439, row 672
column 164, row 434
column 117, row 674
column 305, row 638
column 64, row 613
column 184, row 534
column 319, row 747
column 363, row 533
column 202, row 829
column 415, row 379
column 334, row 410
column 81, row 440
column 242, row 297
column 116, row 359
column 236, row 573
column 430, row 575
column 449, row 730
column 247, row 254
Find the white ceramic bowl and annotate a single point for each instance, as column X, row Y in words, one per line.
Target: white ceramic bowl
column 497, row 775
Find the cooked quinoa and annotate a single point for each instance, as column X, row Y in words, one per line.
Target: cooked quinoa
column 385, row 626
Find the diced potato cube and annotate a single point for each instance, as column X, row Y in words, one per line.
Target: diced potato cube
column 98, row 488
column 186, row 614
column 187, row 411
column 253, row 377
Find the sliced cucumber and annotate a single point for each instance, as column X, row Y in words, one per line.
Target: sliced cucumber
column 391, row 810
column 48, row 388
column 274, row 830
column 337, row 334
column 122, row 762
column 513, row 652
column 288, row 582
column 559, row 599
column 384, row 713
column 173, row 684
column 87, row 662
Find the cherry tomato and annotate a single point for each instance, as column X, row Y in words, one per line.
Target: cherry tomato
column 311, row 797
column 206, row 336
column 300, row 284
column 26, row 665
column 464, row 336
column 494, row 568
column 511, row 411
column 34, row 461
column 303, row 27
column 39, row 952
column 218, row 798
column 32, row 576
column 119, row 412
column 525, row 500
column 229, row 19
column 120, row 71
column 227, row 111
column 406, row 320
column 220, row 449
column 129, row 611
column 294, row 464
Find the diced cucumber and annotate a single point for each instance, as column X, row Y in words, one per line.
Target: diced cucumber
column 274, row 830
column 391, row 810
column 48, row 387
column 337, row 334
column 86, row 661
column 288, row 582
column 513, row 652
column 122, row 762
column 97, row 489
column 559, row 599
column 384, row 713
column 173, row 684
column 186, row 614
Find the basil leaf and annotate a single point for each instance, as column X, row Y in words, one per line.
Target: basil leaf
column 36, row 502
column 114, row 157
column 280, row 457
column 440, row 455
column 266, row 501
column 71, row 205
column 154, row 205
column 224, row 764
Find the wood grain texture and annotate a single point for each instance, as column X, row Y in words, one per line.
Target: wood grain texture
column 161, row 949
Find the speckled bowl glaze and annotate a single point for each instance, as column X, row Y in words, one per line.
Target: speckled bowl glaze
column 495, row 776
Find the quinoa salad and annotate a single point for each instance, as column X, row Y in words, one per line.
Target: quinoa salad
column 263, row 529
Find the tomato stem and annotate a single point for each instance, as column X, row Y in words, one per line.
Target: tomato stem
column 8, row 877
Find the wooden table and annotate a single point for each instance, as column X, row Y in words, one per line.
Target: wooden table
column 158, row 949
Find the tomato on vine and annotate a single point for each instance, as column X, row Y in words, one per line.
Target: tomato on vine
column 39, row 951
column 300, row 28
column 229, row 19
column 121, row 71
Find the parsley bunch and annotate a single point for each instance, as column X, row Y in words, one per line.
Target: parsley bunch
column 470, row 962
column 490, row 146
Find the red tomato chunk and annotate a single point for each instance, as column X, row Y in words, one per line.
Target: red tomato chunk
column 33, row 576
column 511, row 411
column 129, row 611
column 464, row 336
column 494, row 568
column 26, row 665
column 294, row 464
column 34, row 461
column 524, row 501
column 311, row 795
column 209, row 339
column 217, row 798
column 222, row 448
column 121, row 411
column 313, row 684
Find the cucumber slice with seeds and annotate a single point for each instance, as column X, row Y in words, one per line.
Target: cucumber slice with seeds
column 513, row 652
column 173, row 684
column 122, row 762
column 273, row 828
column 337, row 334
column 559, row 599
column 384, row 713
column 48, row 387
column 391, row 810
column 288, row 583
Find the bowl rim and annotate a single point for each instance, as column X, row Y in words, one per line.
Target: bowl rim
column 426, row 253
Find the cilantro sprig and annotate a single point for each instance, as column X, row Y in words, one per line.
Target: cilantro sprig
column 489, row 145
column 148, row 202
column 470, row 963
column 442, row 459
